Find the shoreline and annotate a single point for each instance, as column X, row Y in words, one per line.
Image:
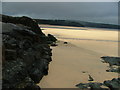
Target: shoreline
column 75, row 27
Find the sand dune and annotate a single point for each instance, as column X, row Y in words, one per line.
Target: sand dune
column 81, row 56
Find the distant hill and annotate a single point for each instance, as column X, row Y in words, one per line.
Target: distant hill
column 77, row 23
column 59, row 22
column 99, row 25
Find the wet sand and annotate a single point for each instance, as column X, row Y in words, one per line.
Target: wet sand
column 73, row 62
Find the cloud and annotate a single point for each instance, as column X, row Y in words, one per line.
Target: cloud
column 60, row 0
column 106, row 12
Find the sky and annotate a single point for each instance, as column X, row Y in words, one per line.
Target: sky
column 100, row 12
column 59, row 0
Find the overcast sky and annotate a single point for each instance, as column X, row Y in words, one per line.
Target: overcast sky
column 104, row 12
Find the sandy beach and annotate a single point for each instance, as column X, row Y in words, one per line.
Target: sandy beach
column 73, row 62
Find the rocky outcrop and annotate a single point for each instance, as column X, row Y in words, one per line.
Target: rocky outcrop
column 90, row 86
column 51, row 40
column 26, row 21
column 114, row 84
column 114, row 63
column 111, row 60
column 26, row 53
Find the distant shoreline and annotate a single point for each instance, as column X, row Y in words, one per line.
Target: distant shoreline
column 75, row 28
column 74, row 23
column 45, row 27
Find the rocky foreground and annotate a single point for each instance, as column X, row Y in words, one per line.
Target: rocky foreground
column 26, row 53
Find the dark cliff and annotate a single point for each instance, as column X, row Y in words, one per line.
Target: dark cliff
column 25, row 53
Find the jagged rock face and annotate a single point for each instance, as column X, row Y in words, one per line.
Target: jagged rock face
column 111, row 60
column 26, row 56
column 26, row 21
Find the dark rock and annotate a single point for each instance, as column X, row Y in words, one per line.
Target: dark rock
column 113, row 84
column 51, row 38
column 111, row 60
column 65, row 42
column 83, row 71
column 54, row 44
column 26, row 21
column 26, row 54
column 115, row 69
column 38, row 70
column 90, row 78
column 13, row 73
column 47, row 57
column 91, row 86
column 82, row 86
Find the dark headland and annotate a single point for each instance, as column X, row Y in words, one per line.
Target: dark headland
column 77, row 23
column 25, row 53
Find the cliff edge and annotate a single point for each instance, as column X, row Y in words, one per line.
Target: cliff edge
column 25, row 53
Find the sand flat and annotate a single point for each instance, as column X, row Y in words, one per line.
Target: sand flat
column 81, row 54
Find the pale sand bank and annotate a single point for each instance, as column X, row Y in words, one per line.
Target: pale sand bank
column 82, row 53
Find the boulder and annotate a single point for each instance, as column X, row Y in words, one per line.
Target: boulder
column 65, row 42
column 113, row 84
column 51, row 38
